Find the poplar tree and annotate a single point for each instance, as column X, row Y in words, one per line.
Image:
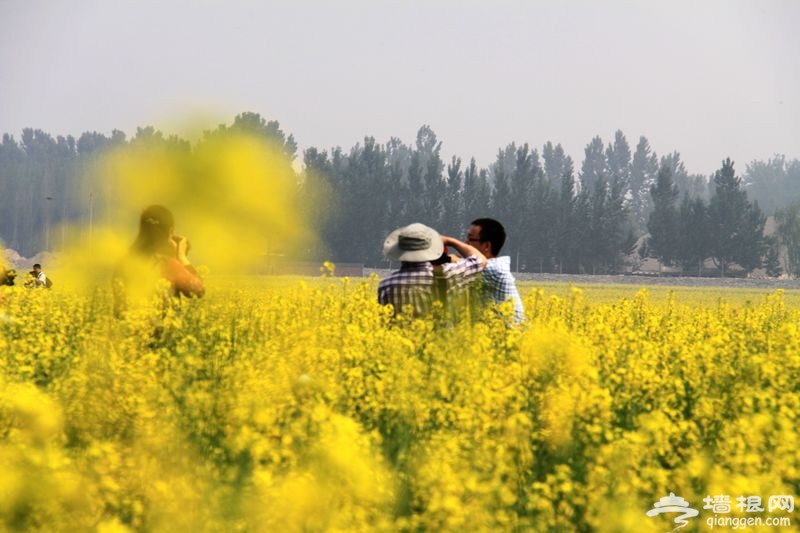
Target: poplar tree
column 618, row 157
column 662, row 224
column 556, row 162
column 595, row 166
column 736, row 225
column 788, row 234
column 693, row 233
column 567, row 226
column 644, row 168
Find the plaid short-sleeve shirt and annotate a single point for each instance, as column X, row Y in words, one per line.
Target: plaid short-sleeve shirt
column 499, row 284
column 416, row 284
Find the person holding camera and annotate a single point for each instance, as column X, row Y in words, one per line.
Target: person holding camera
column 37, row 278
column 157, row 252
column 427, row 273
column 488, row 236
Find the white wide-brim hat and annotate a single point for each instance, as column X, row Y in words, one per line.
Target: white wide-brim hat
column 414, row 243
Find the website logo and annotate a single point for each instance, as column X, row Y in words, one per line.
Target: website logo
column 674, row 504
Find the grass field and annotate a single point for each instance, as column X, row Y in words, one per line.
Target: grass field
column 287, row 404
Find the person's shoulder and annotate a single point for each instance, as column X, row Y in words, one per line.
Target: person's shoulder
column 456, row 264
column 470, row 264
column 500, row 264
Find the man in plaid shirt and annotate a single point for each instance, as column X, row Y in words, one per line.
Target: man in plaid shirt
column 488, row 235
column 419, row 283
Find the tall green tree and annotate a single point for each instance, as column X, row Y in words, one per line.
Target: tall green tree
column 597, row 247
column 501, row 173
column 37, row 189
column 772, row 261
column 251, row 123
column 693, row 233
column 426, row 186
column 618, row 156
column 595, row 165
column 12, row 163
column 398, row 159
column 737, row 226
column 556, row 162
column 788, row 234
column 644, row 168
column 453, row 211
column 621, row 232
column 525, row 210
column 368, row 178
column 60, row 196
column 752, row 244
column 330, row 171
column 608, row 238
column 694, row 184
column 585, row 256
column 567, row 225
column 319, row 199
column 477, row 192
column 774, row 183
column 536, row 231
column 663, row 223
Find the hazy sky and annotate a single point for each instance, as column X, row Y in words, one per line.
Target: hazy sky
column 710, row 79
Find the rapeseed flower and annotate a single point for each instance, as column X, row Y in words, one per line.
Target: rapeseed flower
column 297, row 405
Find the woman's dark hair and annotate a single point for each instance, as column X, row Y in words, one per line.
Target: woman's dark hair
column 154, row 227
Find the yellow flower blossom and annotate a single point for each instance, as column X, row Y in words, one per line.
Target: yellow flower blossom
column 280, row 404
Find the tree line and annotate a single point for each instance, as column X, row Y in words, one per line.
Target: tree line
column 622, row 204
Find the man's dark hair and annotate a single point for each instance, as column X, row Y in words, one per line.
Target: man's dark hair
column 37, row 265
column 492, row 231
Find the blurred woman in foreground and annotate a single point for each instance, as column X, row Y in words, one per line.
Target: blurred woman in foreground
column 156, row 254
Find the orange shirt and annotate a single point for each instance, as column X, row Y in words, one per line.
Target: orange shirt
column 184, row 278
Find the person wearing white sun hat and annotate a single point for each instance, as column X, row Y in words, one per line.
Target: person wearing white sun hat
column 419, row 283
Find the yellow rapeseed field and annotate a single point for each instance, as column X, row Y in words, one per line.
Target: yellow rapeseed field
column 286, row 404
